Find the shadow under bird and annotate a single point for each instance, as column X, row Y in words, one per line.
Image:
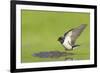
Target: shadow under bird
column 70, row 37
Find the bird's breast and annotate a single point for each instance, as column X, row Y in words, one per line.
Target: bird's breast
column 67, row 43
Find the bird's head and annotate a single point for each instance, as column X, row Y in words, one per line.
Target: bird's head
column 61, row 39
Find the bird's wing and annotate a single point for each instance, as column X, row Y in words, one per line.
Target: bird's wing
column 75, row 33
column 68, row 32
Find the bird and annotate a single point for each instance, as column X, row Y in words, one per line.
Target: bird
column 69, row 38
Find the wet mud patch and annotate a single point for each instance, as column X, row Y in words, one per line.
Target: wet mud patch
column 52, row 54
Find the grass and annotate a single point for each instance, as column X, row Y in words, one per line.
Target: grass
column 41, row 29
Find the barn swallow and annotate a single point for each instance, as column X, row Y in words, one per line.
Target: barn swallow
column 70, row 37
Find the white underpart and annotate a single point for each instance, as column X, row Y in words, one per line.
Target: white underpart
column 67, row 41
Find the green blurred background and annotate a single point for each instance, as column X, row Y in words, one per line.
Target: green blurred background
column 41, row 29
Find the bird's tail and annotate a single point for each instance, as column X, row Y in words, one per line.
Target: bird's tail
column 75, row 46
